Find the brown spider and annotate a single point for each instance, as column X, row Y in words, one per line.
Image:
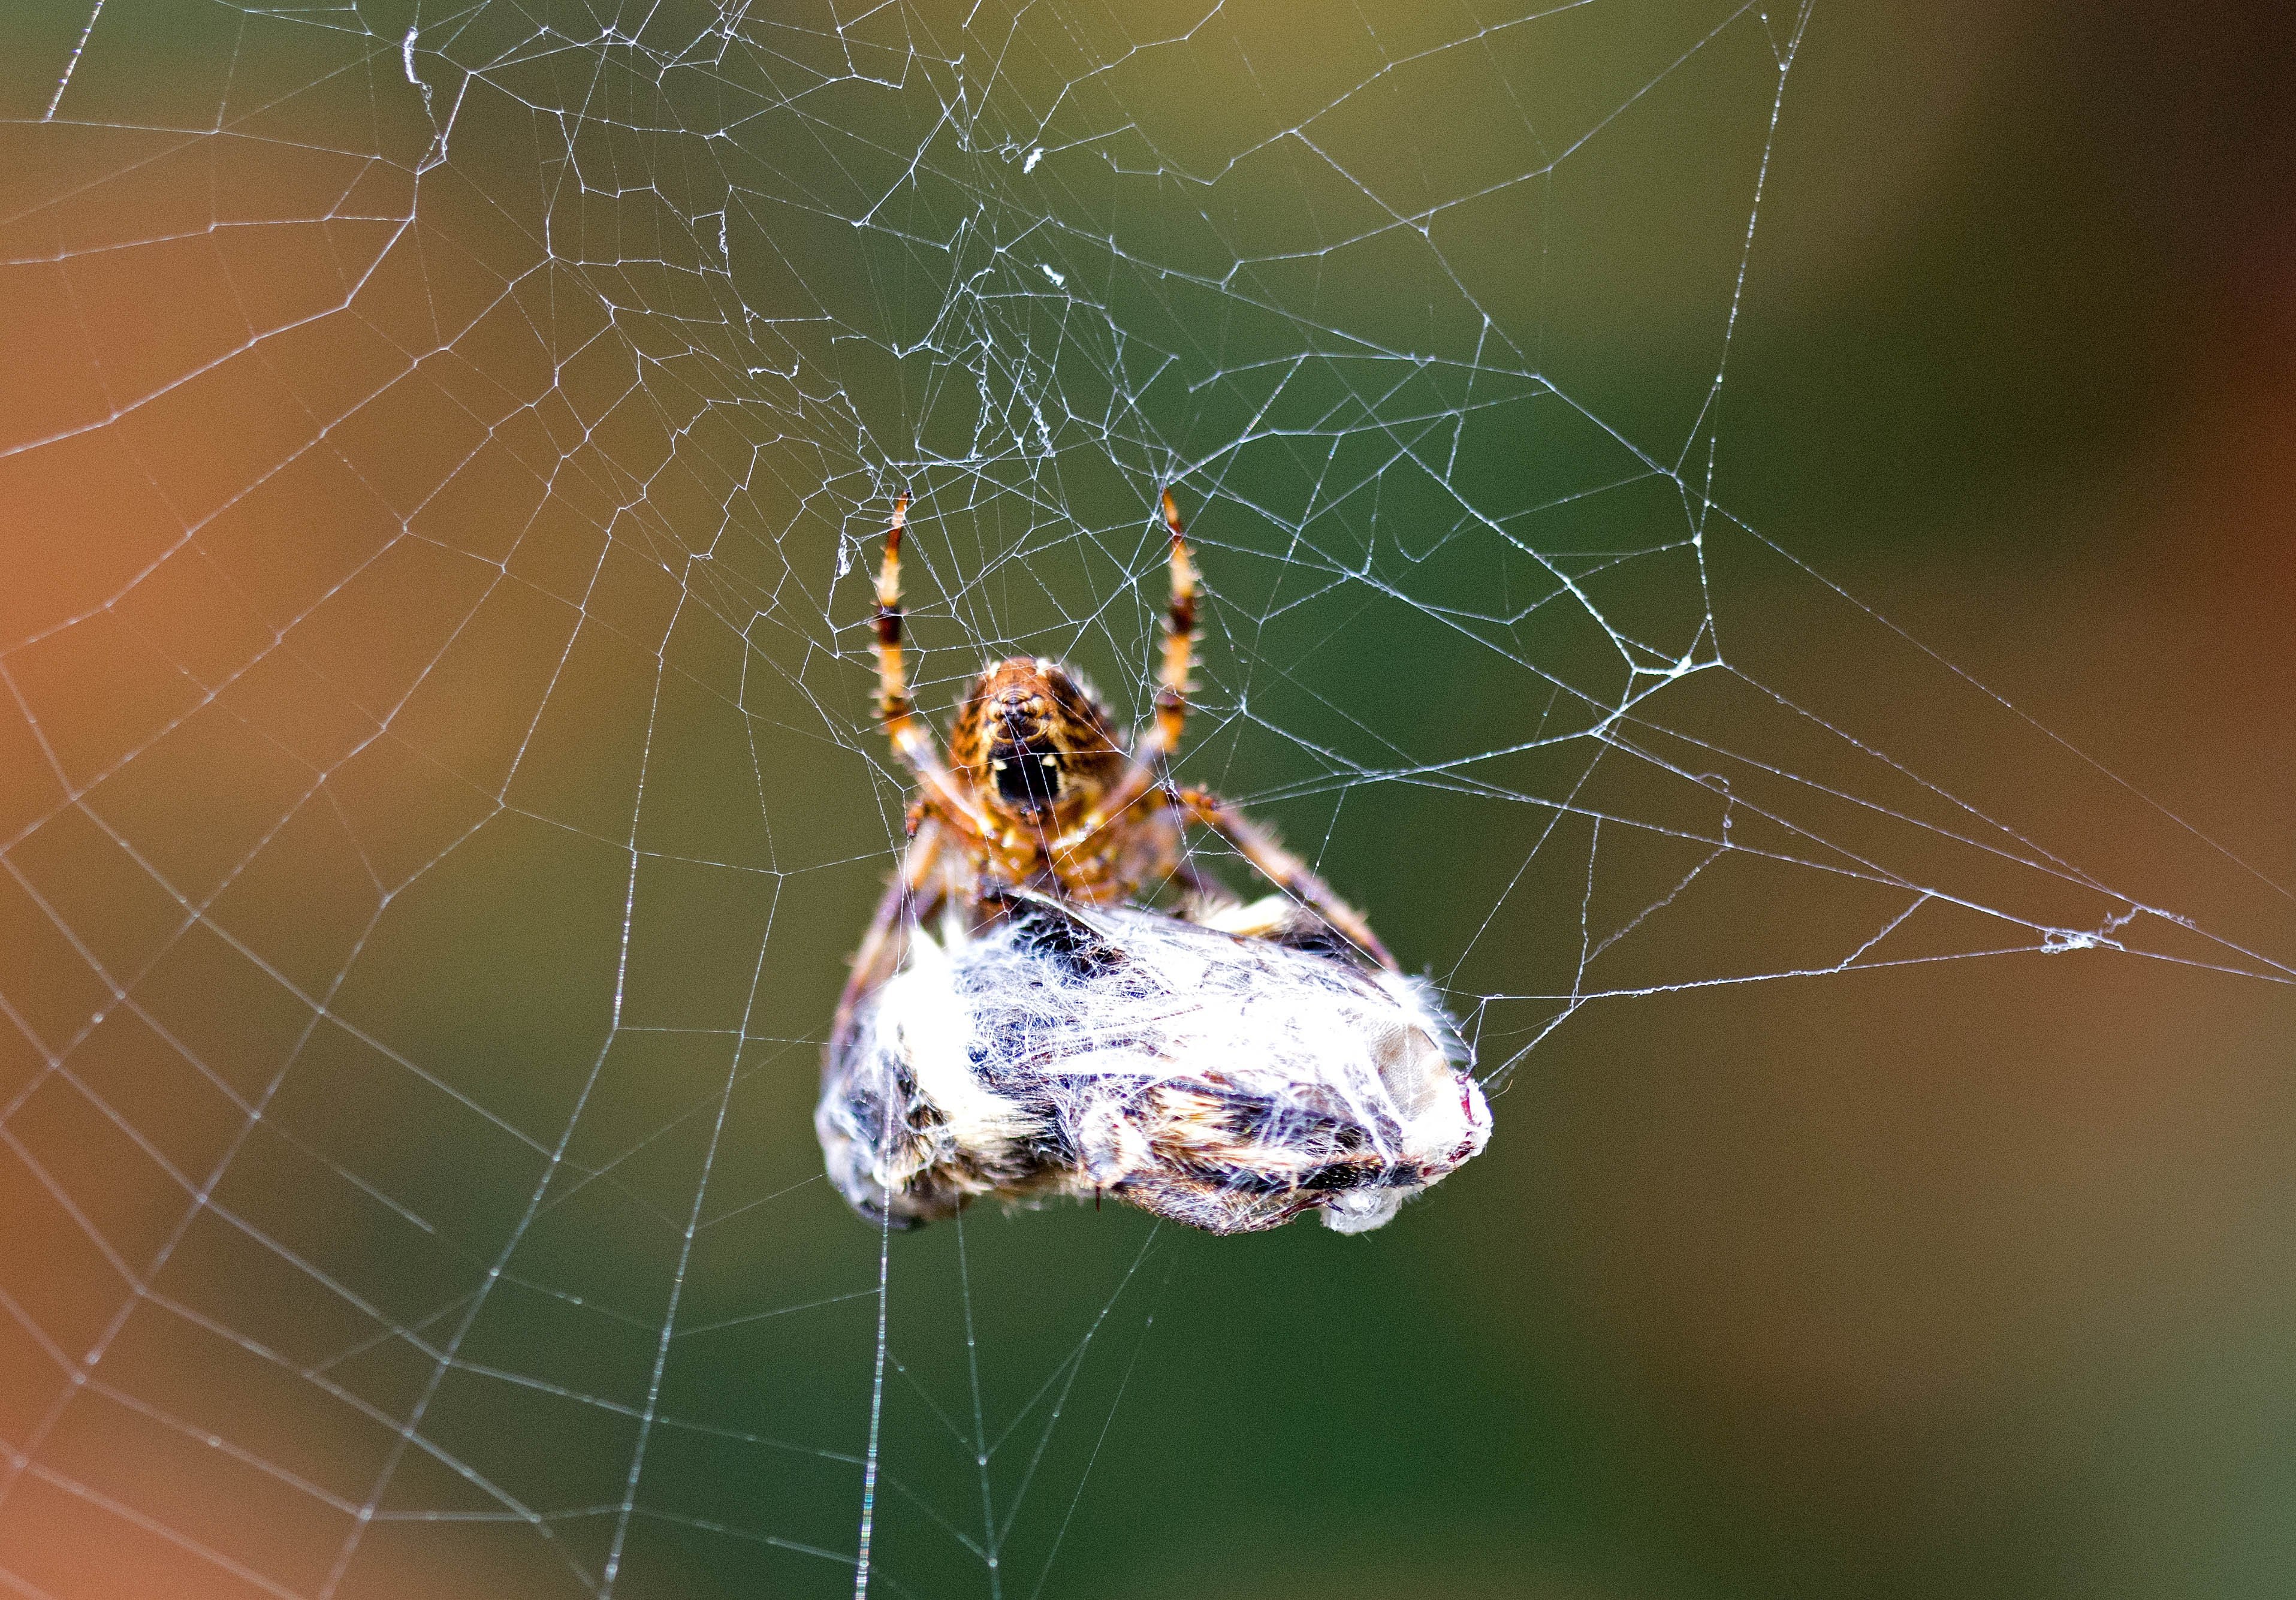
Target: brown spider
column 1039, row 793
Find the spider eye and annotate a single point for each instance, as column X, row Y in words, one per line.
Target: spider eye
column 1027, row 781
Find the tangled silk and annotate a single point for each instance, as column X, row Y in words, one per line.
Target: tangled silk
column 1223, row 1081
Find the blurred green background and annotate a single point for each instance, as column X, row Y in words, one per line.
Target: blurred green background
column 443, row 461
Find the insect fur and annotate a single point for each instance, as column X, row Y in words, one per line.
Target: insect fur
column 1229, row 1068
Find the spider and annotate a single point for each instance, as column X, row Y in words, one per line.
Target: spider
column 1039, row 793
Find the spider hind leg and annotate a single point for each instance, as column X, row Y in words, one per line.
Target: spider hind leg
column 1284, row 869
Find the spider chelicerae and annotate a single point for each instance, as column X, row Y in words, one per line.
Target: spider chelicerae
column 1229, row 1067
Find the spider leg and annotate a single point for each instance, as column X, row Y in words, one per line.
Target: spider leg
column 1153, row 747
column 1179, row 648
column 1281, row 867
column 913, row 739
column 905, row 902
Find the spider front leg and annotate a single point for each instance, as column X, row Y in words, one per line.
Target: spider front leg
column 913, row 741
column 1179, row 649
column 1281, row 867
column 1153, row 746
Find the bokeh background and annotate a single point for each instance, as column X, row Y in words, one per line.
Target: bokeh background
column 436, row 790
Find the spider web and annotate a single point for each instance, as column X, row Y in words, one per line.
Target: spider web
column 441, row 783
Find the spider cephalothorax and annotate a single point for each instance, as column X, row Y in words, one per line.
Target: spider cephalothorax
column 1036, row 745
